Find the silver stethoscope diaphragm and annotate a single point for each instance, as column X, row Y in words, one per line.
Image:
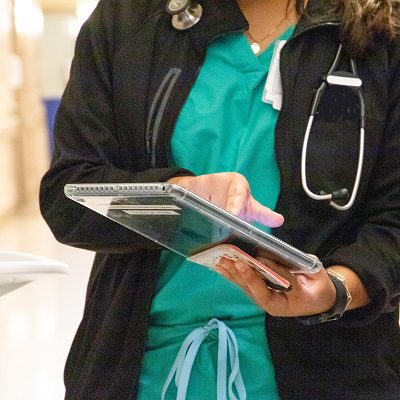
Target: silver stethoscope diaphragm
column 185, row 14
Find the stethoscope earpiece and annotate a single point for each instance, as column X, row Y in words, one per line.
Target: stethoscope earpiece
column 185, row 14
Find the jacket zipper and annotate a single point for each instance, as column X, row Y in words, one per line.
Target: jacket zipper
column 179, row 100
column 157, row 112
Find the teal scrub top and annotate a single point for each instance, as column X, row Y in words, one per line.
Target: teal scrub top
column 224, row 126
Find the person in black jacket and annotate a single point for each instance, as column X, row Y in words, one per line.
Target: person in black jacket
column 149, row 102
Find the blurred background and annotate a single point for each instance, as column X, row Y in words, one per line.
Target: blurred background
column 38, row 320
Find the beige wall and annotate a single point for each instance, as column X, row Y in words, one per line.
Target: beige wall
column 58, row 5
column 9, row 119
column 23, row 136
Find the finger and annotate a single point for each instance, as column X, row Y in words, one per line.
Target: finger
column 256, row 212
column 227, row 268
column 297, row 280
column 282, row 271
column 256, row 286
column 237, row 194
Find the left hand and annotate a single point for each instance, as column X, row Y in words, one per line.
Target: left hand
column 310, row 294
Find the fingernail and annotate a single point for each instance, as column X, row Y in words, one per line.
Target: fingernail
column 241, row 266
column 223, row 260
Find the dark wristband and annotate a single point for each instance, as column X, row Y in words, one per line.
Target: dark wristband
column 343, row 299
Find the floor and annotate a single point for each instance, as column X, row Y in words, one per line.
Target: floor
column 38, row 321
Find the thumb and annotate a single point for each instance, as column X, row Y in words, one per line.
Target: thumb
column 256, row 212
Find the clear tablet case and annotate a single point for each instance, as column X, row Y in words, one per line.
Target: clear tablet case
column 183, row 222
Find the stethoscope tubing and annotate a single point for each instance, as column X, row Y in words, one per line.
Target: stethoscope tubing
column 357, row 179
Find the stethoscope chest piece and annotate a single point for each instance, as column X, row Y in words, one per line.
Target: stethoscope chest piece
column 185, row 14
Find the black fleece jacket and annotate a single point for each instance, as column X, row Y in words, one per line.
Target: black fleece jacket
column 129, row 79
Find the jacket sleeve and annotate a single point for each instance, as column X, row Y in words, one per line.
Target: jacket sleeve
column 375, row 254
column 86, row 149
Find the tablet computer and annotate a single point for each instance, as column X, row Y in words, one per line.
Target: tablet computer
column 193, row 227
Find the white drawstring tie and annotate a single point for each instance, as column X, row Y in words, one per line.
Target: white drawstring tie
column 183, row 363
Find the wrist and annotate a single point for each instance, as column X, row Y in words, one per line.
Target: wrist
column 358, row 292
column 341, row 303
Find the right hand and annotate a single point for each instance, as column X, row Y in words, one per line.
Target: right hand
column 230, row 191
column 310, row 294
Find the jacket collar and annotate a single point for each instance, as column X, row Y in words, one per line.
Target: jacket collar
column 219, row 17
column 319, row 12
column 223, row 16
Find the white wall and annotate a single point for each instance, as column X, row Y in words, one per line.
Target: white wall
column 55, row 53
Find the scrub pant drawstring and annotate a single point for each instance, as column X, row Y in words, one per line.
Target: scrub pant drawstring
column 183, row 363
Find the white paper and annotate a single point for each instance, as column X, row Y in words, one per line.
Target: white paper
column 272, row 93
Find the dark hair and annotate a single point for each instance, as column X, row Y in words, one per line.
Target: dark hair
column 363, row 20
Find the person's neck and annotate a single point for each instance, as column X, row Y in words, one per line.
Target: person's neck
column 268, row 18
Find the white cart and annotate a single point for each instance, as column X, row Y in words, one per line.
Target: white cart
column 18, row 269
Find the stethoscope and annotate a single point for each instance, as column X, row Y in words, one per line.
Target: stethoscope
column 186, row 14
column 353, row 82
